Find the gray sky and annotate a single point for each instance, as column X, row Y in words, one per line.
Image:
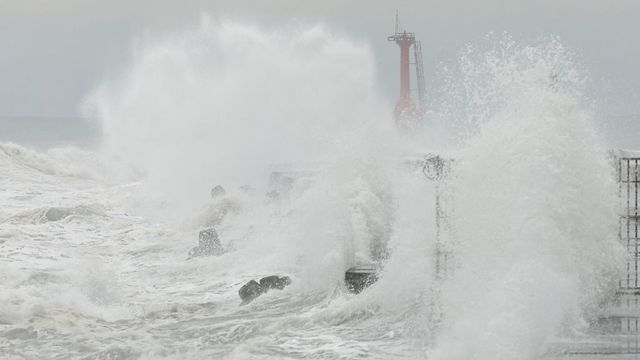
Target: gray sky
column 54, row 52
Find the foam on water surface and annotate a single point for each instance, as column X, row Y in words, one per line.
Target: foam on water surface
column 532, row 235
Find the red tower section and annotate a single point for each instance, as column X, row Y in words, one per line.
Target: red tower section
column 406, row 110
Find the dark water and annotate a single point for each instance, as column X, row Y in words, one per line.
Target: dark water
column 46, row 132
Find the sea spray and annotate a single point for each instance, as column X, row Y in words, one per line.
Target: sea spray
column 226, row 103
column 535, row 207
column 221, row 103
column 535, row 250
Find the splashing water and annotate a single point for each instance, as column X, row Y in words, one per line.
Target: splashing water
column 223, row 102
column 534, row 246
column 535, row 208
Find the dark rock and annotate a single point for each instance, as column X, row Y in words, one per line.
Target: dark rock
column 275, row 282
column 209, row 241
column 217, row 191
column 56, row 214
column 249, row 291
column 208, row 244
column 252, row 289
column 360, row 277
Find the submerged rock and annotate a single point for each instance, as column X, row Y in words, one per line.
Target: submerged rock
column 56, row 214
column 251, row 290
column 217, row 191
column 208, row 244
column 53, row 214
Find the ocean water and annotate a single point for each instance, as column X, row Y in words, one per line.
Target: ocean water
column 46, row 132
column 94, row 240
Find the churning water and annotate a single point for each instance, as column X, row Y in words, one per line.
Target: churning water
column 94, row 244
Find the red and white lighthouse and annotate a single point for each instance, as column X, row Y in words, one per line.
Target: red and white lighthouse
column 406, row 112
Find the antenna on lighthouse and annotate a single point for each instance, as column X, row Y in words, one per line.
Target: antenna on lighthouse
column 397, row 22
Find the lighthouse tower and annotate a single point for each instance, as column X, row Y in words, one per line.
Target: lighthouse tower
column 406, row 111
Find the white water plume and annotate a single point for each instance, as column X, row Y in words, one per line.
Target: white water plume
column 222, row 102
column 534, row 198
column 535, row 207
column 225, row 102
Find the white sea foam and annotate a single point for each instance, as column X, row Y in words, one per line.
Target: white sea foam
column 535, row 208
column 107, row 275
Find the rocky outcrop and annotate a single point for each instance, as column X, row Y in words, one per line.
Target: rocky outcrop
column 251, row 290
column 217, row 191
column 208, row 244
column 275, row 282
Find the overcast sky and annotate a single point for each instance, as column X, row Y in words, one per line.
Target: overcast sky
column 54, row 52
